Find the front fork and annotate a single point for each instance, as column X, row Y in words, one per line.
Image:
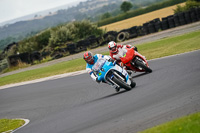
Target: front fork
column 113, row 84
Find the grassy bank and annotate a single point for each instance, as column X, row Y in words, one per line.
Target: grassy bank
column 9, row 125
column 186, row 124
column 152, row 50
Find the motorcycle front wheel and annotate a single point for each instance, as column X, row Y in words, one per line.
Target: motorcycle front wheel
column 143, row 66
column 122, row 83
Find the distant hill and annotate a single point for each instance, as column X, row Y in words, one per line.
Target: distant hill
column 37, row 22
column 40, row 13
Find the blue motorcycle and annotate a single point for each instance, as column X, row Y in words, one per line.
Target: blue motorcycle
column 113, row 74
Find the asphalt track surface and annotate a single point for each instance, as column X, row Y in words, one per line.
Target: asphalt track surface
column 76, row 104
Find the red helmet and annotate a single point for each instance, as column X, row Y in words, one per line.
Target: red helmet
column 88, row 57
column 112, row 46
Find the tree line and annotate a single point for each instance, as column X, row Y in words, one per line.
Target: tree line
column 59, row 36
column 189, row 4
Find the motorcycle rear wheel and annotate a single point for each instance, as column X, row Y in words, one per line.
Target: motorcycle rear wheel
column 143, row 66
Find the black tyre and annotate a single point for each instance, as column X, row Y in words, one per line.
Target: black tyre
column 133, row 32
column 121, row 37
column 145, row 28
column 121, row 83
column 193, row 15
column 158, row 26
column 164, row 25
column 171, row 21
column 176, row 20
column 143, row 66
column 187, row 16
column 151, row 28
column 133, row 84
column 181, row 18
column 110, row 38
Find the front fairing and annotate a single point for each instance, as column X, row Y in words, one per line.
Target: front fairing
column 102, row 67
column 128, row 56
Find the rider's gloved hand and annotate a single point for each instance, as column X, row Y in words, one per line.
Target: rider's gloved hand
column 135, row 48
column 128, row 46
column 111, row 60
column 121, row 64
column 98, row 81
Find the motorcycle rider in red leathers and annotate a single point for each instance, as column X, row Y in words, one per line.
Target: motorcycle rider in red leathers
column 117, row 51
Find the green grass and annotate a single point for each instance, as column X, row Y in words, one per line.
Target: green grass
column 64, row 67
column 186, row 124
column 7, row 124
column 171, row 46
column 164, row 47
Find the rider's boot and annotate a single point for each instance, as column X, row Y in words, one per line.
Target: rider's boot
column 129, row 72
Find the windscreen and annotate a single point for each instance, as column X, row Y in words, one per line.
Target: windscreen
column 98, row 65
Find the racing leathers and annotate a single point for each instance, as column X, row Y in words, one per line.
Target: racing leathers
column 89, row 66
column 120, row 53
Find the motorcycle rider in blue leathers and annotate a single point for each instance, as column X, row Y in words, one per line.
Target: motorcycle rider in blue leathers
column 91, row 60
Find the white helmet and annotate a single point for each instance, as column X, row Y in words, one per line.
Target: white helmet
column 112, row 46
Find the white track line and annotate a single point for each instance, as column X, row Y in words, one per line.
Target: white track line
column 43, row 79
column 26, row 122
column 71, row 74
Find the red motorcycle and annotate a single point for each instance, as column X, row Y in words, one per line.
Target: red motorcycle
column 135, row 61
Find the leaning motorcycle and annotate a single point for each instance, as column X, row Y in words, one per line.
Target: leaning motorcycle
column 135, row 61
column 113, row 74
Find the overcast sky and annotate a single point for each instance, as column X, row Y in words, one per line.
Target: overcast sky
column 11, row 9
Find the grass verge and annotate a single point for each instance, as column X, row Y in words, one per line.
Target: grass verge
column 186, row 124
column 164, row 47
column 9, row 125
